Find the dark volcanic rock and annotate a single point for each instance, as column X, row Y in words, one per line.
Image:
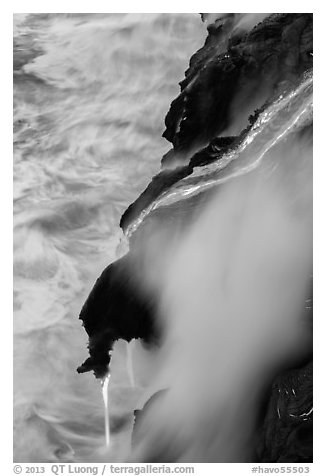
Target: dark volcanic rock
column 116, row 308
column 230, row 82
column 274, row 53
column 230, row 79
column 278, row 48
column 219, row 84
column 166, row 178
column 287, row 429
column 159, row 184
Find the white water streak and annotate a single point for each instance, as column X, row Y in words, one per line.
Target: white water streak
column 105, row 394
column 183, row 190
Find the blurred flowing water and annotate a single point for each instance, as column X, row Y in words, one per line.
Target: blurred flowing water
column 90, row 95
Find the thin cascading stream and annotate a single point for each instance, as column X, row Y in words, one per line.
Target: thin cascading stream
column 276, row 122
column 105, row 394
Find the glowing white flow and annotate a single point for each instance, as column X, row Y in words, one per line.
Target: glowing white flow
column 105, row 385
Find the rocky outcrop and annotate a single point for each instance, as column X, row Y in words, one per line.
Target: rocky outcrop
column 231, row 81
column 122, row 312
column 234, row 74
column 286, row 435
column 237, row 74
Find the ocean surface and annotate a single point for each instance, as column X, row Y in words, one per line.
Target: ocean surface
column 90, row 95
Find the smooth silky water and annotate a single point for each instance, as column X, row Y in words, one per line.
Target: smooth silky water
column 90, row 95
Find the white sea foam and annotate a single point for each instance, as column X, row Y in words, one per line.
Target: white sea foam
column 90, row 96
